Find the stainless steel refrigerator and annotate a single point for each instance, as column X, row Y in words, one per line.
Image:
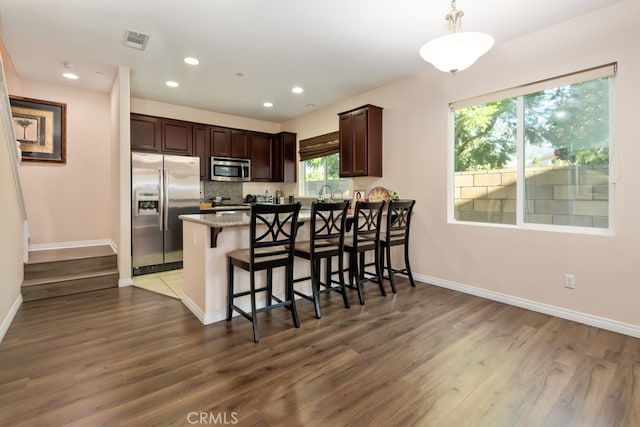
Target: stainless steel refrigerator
column 162, row 188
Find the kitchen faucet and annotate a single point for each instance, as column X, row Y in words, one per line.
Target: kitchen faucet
column 333, row 195
column 321, row 195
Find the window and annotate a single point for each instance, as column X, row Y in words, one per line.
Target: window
column 320, row 165
column 323, row 171
column 536, row 155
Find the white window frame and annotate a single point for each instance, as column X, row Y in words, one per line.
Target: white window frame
column 302, row 179
column 607, row 70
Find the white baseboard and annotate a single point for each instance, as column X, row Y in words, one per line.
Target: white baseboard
column 79, row 244
column 576, row 316
column 204, row 318
column 123, row 283
column 193, row 308
column 6, row 322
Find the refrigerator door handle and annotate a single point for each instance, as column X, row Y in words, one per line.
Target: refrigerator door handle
column 161, row 199
column 165, row 211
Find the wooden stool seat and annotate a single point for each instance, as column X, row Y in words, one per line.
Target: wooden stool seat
column 367, row 219
column 396, row 234
column 327, row 228
column 267, row 250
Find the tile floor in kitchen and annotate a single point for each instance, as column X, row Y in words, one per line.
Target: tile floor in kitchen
column 167, row 283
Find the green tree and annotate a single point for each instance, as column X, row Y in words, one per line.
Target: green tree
column 573, row 119
column 485, row 135
column 314, row 168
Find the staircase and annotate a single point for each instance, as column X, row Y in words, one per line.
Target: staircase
column 58, row 272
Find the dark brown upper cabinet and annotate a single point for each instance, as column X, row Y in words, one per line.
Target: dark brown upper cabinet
column 145, row 133
column 239, row 143
column 227, row 142
column 361, row 141
column 177, row 137
column 262, row 154
column 221, row 142
column 273, row 156
column 287, row 156
column 202, row 149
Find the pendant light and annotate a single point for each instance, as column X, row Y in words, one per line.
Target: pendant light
column 457, row 50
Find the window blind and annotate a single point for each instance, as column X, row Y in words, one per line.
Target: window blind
column 607, row 70
column 319, row 146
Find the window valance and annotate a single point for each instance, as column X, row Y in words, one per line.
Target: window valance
column 319, row 146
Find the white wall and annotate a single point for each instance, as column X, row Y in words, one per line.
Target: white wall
column 518, row 264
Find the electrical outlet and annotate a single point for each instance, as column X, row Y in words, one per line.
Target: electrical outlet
column 569, row 281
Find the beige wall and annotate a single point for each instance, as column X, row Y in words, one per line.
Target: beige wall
column 11, row 215
column 72, row 202
column 11, row 227
column 521, row 264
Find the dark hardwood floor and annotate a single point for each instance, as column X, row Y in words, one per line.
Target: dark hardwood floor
column 424, row 357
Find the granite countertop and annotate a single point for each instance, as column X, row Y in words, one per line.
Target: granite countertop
column 239, row 207
column 231, row 219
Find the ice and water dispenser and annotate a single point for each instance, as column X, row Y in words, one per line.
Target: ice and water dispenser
column 147, row 202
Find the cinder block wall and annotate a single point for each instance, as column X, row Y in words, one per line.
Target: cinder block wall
column 559, row 195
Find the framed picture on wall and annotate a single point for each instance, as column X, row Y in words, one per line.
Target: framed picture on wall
column 40, row 128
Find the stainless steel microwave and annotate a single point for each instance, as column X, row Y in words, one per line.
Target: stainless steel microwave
column 230, row 169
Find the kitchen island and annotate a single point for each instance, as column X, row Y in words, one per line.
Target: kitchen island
column 207, row 238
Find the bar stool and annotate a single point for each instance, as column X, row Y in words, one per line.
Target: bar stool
column 367, row 218
column 327, row 229
column 268, row 249
column 396, row 234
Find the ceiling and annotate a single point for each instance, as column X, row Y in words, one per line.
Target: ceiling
column 252, row 51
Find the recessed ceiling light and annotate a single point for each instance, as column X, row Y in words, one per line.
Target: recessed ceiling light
column 297, row 89
column 310, row 105
column 191, row 61
column 70, row 76
column 268, row 104
column 172, row 84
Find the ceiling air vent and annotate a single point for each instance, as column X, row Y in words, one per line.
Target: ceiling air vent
column 135, row 39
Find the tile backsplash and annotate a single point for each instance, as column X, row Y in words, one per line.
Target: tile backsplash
column 211, row 189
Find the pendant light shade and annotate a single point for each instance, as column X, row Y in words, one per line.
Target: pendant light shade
column 457, row 50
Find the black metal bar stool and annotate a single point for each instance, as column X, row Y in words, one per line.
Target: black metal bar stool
column 367, row 217
column 327, row 227
column 396, row 234
column 269, row 248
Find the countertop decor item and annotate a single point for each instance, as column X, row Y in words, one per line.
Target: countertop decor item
column 378, row 194
column 358, row 196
